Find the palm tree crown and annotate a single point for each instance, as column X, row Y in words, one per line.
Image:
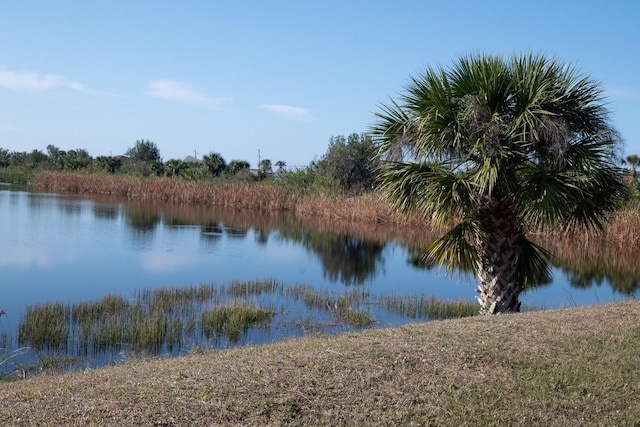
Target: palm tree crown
column 501, row 146
column 633, row 160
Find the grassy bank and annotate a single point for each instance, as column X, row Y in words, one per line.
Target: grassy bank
column 568, row 367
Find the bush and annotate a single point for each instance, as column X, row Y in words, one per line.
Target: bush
column 308, row 181
column 351, row 161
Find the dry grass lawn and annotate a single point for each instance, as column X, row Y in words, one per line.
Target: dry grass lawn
column 578, row 366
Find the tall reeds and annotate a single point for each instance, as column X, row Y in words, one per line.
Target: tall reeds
column 229, row 194
column 369, row 208
column 45, row 325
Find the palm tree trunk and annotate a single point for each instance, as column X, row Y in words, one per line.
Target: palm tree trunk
column 498, row 246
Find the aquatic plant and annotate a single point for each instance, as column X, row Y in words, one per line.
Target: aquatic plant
column 170, row 320
column 233, row 319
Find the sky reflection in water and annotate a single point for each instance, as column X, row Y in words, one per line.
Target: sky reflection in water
column 69, row 248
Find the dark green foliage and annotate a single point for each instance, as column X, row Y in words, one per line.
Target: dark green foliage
column 236, row 166
column 307, row 181
column 108, row 164
column 143, row 168
column 351, row 161
column 37, row 157
column 76, row 159
column 5, row 158
column 265, row 169
column 215, row 164
column 144, row 151
column 18, row 158
column 174, row 167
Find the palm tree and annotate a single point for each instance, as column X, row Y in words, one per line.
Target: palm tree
column 281, row 165
column 265, row 167
column 496, row 147
column 633, row 160
column 215, row 163
column 173, row 167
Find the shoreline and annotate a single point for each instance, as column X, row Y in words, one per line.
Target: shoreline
column 574, row 366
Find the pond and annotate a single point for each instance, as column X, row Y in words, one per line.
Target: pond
column 73, row 249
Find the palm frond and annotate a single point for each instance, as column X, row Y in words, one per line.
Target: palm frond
column 394, row 131
column 545, row 196
column 429, row 189
column 454, row 250
column 533, row 265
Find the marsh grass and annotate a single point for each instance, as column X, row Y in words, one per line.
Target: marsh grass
column 45, row 325
column 234, row 319
column 369, row 208
column 170, row 320
column 422, row 307
column 224, row 193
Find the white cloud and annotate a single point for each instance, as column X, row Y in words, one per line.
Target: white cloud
column 29, row 81
column 286, row 110
column 174, row 90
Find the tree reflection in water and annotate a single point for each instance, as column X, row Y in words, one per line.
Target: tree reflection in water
column 597, row 262
column 352, row 253
column 345, row 259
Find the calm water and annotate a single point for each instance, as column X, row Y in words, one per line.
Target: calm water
column 73, row 248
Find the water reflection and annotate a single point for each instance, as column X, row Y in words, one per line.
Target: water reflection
column 345, row 253
column 71, row 249
column 140, row 218
column 597, row 263
column 345, row 259
column 354, row 255
column 106, row 211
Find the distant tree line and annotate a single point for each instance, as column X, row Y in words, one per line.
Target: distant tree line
column 348, row 166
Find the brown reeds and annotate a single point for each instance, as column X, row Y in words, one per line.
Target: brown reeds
column 229, row 194
column 364, row 216
column 366, row 209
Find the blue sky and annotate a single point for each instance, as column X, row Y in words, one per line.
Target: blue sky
column 281, row 77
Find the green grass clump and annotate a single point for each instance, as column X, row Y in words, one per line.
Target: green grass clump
column 422, row 307
column 356, row 317
column 233, row 319
column 45, row 326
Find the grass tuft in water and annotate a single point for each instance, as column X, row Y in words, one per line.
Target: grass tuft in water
column 422, row 307
column 233, row 319
column 45, row 325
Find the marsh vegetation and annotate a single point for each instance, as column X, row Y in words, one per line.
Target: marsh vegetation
column 176, row 320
